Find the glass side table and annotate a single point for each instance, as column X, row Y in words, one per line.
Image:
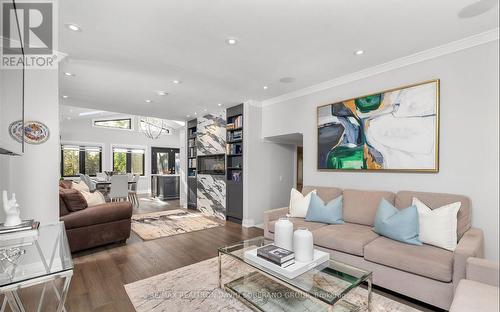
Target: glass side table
column 31, row 258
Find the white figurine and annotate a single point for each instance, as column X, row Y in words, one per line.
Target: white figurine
column 11, row 209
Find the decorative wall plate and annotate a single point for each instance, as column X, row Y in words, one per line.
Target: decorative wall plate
column 35, row 132
column 16, row 130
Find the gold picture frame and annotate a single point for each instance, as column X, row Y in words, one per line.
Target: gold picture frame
column 323, row 160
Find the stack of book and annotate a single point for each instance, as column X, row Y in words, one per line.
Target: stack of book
column 276, row 255
column 26, row 225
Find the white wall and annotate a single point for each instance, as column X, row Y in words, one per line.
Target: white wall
column 81, row 131
column 268, row 169
column 34, row 176
column 468, row 137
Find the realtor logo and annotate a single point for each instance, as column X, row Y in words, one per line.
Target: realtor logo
column 28, row 32
column 35, row 31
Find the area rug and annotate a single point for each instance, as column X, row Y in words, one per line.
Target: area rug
column 195, row 288
column 154, row 225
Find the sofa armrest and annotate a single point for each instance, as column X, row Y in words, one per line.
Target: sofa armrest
column 272, row 215
column 471, row 245
column 483, row 271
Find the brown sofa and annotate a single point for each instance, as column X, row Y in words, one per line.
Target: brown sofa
column 88, row 227
column 426, row 273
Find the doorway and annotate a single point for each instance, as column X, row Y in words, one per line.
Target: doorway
column 165, row 160
column 300, row 169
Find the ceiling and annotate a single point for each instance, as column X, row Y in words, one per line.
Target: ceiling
column 128, row 50
column 69, row 113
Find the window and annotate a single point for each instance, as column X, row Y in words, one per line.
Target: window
column 122, row 123
column 80, row 159
column 128, row 160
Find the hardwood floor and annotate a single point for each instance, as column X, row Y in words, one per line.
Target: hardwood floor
column 101, row 273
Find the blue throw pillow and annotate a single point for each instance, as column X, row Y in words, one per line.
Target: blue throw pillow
column 330, row 213
column 401, row 225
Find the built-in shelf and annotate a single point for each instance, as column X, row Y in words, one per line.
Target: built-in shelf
column 192, row 163
column 234, row 163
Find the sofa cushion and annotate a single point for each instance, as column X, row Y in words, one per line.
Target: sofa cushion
column 66, row 184
column 401, row 225
column 475, row 296
column 326, row 193
column 330, row 212
column 63, row 210
column 425, row 260
column 98, row 214
column 361, row 206
column 299, row 204
column 436, row 200
column 349, row 237
column 73, row 199
column 298, row 222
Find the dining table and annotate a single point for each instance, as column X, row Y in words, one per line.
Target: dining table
column 104, row 186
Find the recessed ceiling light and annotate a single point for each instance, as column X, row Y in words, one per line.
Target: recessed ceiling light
column 69, row 74
column 64, row 96
column 477, row 8
column 162, row 93
column 148, row 101
column 205, row 110
column 359, row 52
column 265, row 87
column 176, row 81
column 231, row 41
column 195, row 113
column 219, row 104
column 188, row 116
column 73, row 27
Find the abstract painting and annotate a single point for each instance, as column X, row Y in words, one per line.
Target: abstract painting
column 394, row 130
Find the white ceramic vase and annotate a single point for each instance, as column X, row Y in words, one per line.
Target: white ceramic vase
column 303, row 246
column 283, row 234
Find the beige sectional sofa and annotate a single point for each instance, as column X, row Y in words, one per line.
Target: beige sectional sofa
column 426, row 273
column 479, row 291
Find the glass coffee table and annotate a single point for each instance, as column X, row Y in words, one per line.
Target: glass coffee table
column 326, row 287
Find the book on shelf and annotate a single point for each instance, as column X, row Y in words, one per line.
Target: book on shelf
column 235, row 136
column 234, row 148
column 26, row 225
column 238, row 122
column 277, row 255
column 192, row 163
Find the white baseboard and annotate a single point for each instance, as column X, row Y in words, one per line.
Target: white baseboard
column 251, row 223
column 248, row 223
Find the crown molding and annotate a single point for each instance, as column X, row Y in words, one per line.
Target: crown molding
column 418, row 57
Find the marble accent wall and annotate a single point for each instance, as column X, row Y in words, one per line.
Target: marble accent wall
column 211, row 195
column 211, row 140
column 211, row 137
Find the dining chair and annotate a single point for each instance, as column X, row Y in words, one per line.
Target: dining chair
column 119, row 188
column 101, row 176
column 86, row 179
column 132, row 191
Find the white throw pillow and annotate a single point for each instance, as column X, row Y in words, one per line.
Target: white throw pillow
column 299, row 204
column 438, row 226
